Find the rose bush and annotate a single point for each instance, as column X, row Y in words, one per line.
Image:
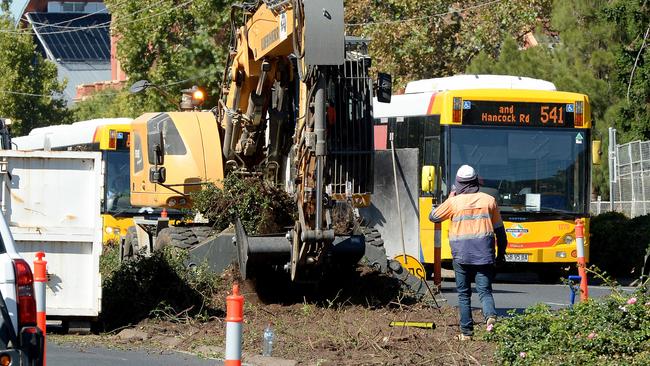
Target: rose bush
column 610, row 331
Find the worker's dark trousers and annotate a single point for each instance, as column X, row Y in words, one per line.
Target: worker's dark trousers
column 483, row 276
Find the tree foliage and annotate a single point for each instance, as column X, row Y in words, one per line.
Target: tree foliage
column 172, row 43
column 262, row 207
column 109, row 104
column 594, row 53
column 29, row 85
column 433, row 38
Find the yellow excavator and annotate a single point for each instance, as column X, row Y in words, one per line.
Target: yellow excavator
column 296, row 110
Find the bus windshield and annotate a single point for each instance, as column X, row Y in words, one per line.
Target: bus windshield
column 117, row 193
column 526, row 170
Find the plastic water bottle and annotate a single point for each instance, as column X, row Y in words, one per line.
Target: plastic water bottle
column 269, row 338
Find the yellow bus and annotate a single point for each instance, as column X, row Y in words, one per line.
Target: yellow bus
column 529, row 143
column 110, row 136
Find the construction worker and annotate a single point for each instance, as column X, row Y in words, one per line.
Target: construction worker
column 475, row 221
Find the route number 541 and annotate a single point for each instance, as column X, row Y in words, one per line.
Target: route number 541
column 553, row 114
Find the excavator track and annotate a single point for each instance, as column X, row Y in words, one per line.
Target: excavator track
column 375, row 257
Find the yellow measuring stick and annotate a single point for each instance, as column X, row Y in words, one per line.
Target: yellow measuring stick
column 423, row 325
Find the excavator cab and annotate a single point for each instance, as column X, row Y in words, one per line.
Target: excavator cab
column 172, row 155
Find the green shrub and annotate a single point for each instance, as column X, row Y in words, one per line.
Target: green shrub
column 160, row 284
column 262, row 207
column 610, row 331
column 619, row 244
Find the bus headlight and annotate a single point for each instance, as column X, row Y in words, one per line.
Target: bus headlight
column 560, row 254
column 568, row 239
column 109, row 230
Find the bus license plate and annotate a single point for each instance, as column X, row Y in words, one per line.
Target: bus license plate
column 516, row 257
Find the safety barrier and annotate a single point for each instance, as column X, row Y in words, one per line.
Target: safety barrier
column 40, row 281
column 582, row 265
column 234, row 319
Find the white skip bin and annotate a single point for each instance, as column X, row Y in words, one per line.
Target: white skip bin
column 51, row 200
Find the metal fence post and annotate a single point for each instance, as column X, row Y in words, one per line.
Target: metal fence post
column 612, row 166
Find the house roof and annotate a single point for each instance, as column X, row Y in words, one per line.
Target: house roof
column 77, row 73
column 17, row 8
column 62, row 42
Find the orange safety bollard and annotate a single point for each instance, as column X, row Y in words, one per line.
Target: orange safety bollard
column 234, row 319
column 164, row 214
column 437, row 257
column 582, row 265
column 40, row 279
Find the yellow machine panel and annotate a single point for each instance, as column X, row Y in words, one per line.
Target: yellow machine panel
column 192, row 156
column 115, row 227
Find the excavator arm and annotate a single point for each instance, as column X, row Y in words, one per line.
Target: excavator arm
column 296, row 109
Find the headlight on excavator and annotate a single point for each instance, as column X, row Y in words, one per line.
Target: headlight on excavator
column 198, row 97
column 192, row 98
column 177, row 202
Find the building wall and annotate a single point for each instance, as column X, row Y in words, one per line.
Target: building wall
column 117, row 74
column 41, row 5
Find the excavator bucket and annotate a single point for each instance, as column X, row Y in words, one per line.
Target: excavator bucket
column 255, row 252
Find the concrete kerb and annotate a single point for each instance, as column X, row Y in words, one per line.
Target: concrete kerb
column 259, row 360
column 248, row 359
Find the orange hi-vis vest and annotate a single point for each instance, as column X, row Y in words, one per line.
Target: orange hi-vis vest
column 474, row 216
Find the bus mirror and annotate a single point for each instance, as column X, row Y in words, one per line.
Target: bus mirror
column 384, row 87
column 157, row 175
column 428, row 178
column 596, row 152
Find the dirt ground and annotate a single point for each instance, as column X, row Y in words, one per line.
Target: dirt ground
column 347, row 323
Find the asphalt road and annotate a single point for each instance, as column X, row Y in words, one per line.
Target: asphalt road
column 518, row 291
column 71, row 355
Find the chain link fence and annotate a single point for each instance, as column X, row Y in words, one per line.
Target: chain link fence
column 632, row 187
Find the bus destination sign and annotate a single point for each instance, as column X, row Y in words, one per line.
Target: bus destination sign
column 519, row 114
